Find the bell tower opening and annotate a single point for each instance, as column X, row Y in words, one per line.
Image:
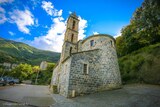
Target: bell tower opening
column 71, row 34
column 72, row 37
column 73, row 26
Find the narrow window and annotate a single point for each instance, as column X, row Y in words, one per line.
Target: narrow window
column 72, row 37
column 85, row 69
column 91, row 42
column 73, row 26
column 70, row 51
column 111, row 43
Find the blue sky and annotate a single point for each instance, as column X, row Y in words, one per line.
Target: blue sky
column 41, row 23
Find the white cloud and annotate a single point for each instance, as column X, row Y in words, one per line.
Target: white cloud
column 6, row 1
column 53, row 40
column 11, row 33
column 82, row 26
column 69, row 12
column 49, row 8
column 36, row 22
column 20, row 39
column 3, row 18
column 118, row 34
column 60, row 12
column 95, row 33
column 35, row 3
column 2, row 10
column 23, row 19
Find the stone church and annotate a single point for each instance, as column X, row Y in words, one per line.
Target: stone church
column 86, row 66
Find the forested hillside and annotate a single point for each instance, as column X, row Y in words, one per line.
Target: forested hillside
column 17, row 52
column 141, row 66
column 138, row 47
column 143, row 30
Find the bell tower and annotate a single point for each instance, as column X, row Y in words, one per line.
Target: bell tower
column 71, row 37
column 71, row 34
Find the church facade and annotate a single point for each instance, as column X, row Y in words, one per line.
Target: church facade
column 86, row 66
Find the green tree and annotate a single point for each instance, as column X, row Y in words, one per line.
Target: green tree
column 22, row 71
column 50, row 67
column 35, row 69
column 120, row 45
column 45, row 76
column 1, row 72
column 143, row 30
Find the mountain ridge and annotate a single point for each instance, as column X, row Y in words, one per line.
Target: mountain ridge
column 18, row 52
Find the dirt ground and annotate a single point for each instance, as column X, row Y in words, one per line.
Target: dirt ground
column 135, row 95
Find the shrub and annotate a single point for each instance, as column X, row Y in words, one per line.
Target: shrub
column 141, row 66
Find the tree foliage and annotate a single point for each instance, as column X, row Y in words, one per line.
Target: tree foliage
column 22, row 71
column 36, row 68
column 141, row 66
column 143, row 30
column 27, row 72
column 50, row 67
column 44, row 76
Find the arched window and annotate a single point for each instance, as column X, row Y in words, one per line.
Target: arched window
column 111, row 43
column 91, row 42
column 73, row 26
column 72, row 37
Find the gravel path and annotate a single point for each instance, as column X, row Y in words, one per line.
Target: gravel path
column 33, row 95
column 129, row 96
column 134, row 95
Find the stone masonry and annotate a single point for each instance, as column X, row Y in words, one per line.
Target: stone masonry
column 86, row 66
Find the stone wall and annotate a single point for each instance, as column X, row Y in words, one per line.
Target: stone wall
column 102, row 65
column 109, row 68
column 69, row 34
column 60, row 77
column 64, row 78
column 55, row 75
column 100, row 42
column 66, row 50
column 79, row 46
column 80, row 82
column 72, row 20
